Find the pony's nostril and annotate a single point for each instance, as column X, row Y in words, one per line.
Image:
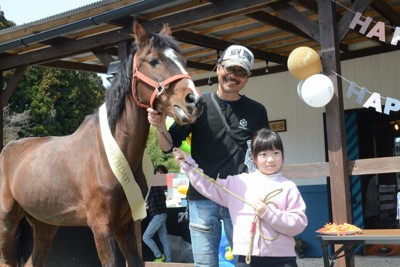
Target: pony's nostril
column 194, row 104
column 190, row 98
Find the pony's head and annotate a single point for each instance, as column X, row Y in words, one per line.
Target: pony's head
column 160, row 79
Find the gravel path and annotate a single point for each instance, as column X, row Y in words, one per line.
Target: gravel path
column 362, row 261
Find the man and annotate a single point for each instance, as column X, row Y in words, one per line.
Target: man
column 218, row 145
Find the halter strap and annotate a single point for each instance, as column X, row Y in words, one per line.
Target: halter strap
column 159, row 87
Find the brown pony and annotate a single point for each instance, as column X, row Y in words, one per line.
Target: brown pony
column 67, row 181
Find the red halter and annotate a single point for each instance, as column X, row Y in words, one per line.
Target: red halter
column 159, row 87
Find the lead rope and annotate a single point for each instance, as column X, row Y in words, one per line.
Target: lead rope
column 256, row 217
column 254, row 223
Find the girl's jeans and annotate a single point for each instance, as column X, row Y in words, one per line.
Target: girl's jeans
column 205, row 231
column 157, row 224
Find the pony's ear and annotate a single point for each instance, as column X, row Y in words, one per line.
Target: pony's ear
column 140, row 34
column 166, row 30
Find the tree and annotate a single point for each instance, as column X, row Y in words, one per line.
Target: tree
column 4, row 23
column 157, row 156
column 15, row 124
column 57, row 100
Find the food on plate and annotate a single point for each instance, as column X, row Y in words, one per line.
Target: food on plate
column 339, row 229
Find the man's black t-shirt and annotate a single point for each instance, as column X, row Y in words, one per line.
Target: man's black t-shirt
column 211, row 147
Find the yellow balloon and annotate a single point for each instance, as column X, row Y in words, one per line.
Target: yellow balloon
column 304, row 62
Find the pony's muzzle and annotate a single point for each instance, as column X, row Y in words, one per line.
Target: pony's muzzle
column 194, row 104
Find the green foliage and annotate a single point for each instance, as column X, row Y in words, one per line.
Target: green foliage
column 4, row 23
column 57, row 100
column 157, row 156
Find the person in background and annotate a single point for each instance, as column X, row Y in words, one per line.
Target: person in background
column 218, row 144
column 267, row 209
column 158, row 213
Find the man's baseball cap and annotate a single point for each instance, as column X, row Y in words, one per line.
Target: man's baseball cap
column 237, row 55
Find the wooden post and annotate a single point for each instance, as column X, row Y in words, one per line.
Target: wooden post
column 337, row 150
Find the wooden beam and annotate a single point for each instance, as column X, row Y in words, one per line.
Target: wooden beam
column 103, row 56
column 345, row 21
column 68, row 65
column 354, row 167
column 123, row 50
column 284, row 25
column 66, row 49
column 374, row 166
column 18, row 32
column 206, row 13
column 288, row 13
column 202, row 40
column 266, row 18
column 385, row 48
column 337, row 149
column 199, row 65
column 321, row 169
column 306, row 170
column 309, row 4
column 254, row 73
column 386, row 11
column 12, row 84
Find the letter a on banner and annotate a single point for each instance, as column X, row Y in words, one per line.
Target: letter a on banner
column 374, row 101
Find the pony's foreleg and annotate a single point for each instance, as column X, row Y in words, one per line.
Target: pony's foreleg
column 105, row 246
column 43, row 239
column 125, row 237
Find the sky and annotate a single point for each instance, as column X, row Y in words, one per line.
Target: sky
column 25, row 11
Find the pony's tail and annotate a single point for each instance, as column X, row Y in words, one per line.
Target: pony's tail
column 23, row 242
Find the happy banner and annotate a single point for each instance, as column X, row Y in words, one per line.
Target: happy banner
column 373, row 101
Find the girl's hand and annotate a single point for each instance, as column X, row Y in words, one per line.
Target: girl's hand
column 179, row 155
column 260, row 208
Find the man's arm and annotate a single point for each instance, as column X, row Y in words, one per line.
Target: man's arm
column 163, row 137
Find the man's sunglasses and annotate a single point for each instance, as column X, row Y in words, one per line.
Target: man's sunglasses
column 238, row 71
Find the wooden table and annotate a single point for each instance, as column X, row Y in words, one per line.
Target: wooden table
column 351, row 242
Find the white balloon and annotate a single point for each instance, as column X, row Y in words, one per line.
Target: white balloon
column 317, row 90
column 299, row 86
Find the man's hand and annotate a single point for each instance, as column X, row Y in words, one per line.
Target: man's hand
column 155, row 118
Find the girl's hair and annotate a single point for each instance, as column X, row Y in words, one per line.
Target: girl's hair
column 161, row 168
column 265, row 139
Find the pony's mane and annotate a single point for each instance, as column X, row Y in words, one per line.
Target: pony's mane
column 121, row 86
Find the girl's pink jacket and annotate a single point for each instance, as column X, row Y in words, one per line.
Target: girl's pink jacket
column 285, row 214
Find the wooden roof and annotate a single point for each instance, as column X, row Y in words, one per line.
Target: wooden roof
column 86, row 38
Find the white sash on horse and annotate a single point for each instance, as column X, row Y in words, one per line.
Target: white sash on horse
column 121, row 169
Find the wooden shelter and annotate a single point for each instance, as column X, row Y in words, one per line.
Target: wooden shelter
column 91, row 37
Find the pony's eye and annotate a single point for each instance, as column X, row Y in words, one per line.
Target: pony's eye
column 154, row 62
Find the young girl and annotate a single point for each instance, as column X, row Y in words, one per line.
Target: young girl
column 266, row 208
